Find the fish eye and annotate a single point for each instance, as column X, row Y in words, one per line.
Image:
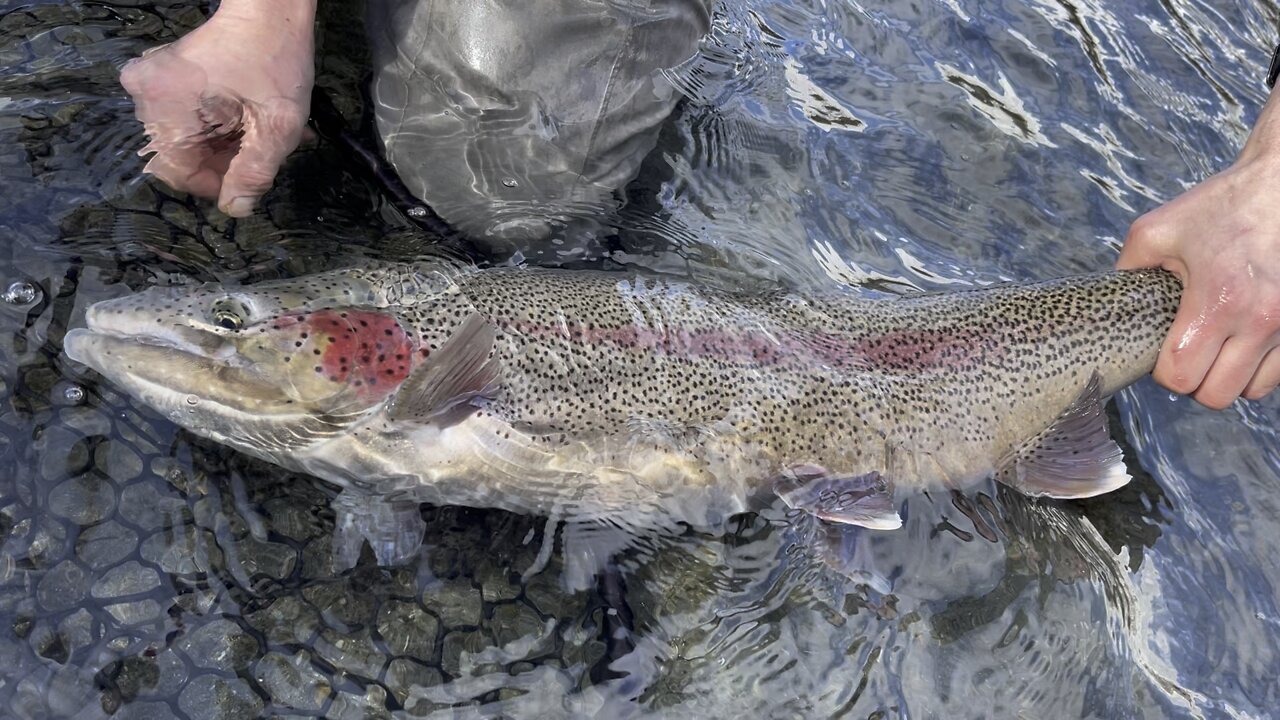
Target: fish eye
column 228, row 314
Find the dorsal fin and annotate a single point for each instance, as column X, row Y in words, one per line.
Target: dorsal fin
column 1074, row 457
column 458, row 371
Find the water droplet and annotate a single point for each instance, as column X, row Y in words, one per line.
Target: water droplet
column 193, row 400
column 74, row 394
column 21, row 292
column 417, row 212
column 509, row 182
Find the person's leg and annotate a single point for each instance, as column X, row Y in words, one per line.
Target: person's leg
column 512, row 118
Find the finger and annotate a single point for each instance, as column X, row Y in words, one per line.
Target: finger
column 270, row 134
column 135, row 73
column 185, row 169
column 1232, row 370
column 1192, row 344
column 1267, row 378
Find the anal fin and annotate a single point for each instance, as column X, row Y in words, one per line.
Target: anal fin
column 863, row 500
column 1074, row 457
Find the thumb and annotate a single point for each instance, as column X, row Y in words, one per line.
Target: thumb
column 271, row 132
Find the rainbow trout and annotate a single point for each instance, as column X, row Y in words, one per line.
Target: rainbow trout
column 638, row 400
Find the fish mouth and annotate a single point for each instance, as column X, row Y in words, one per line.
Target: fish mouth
column 182, row 367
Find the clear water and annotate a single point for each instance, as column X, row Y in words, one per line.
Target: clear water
column 147, row 574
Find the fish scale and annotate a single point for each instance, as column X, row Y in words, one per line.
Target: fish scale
column 634, row 398
column 968, row 370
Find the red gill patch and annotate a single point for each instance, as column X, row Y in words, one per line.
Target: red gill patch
column 369, row 350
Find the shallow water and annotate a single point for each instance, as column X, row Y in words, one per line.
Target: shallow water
column 145, row 573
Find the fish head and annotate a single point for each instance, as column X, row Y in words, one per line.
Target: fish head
column 268, row 369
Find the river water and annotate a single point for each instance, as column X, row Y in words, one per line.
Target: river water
column 899, row 146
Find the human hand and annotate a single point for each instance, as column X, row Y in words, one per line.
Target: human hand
column 1222, row 237
column 226, row 104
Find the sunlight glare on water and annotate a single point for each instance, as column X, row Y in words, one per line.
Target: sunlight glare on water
column 894, row 146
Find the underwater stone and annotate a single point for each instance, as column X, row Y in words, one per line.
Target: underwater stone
column 172, row 472
column 407, row 629
column 152, row 509
column 104, row 545
column 515, row 624
column 458, row 649
column 208, row 697
column 173, row 674
column 68, row 692
column 546, row 592
column 292, row 520
column 292, row 682
column 77, row 628
column 403, row 675
column 455, row 602
column 47, row 544
column 275, row 560
column 286, row 621
column 354, row 652
column 117, row 460
column 131, row 578
column 177, row 551
column 496, row 583
column 53, row 646
column 197, row 601
column 85, row 420
column 134, row 676
column 41, row 380
column 63, row 454
column 335, row 598
column 370, row 706
column 135, row 613
column 219, row 645
column 83, row 500
column 63, row 587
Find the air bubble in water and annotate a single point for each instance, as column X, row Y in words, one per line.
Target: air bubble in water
column 509, row 182
column 21, row 292
column 74, row 394
column 192, row 400
column 417, row 211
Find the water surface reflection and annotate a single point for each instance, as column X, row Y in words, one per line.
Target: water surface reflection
column 897, row 146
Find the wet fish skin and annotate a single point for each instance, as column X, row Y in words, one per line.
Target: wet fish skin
column 639, row 399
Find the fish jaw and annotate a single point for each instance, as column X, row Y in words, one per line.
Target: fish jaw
column 202, row 394
column 238, row 388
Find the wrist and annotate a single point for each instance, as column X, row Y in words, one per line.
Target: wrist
column 1264, row 141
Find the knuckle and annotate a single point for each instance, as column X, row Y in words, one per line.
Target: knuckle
column 1148, row 229
column 1168, row 377
column 1214, row 399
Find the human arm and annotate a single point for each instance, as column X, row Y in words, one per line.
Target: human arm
column 1222, row 237
column 226, row 104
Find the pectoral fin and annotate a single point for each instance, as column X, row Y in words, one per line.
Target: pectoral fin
column 458, row 371
column 864, row 500
column 1074, row 457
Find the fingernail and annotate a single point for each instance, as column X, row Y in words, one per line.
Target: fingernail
column 240, row 207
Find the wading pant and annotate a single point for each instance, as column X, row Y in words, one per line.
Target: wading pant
column 515, row 119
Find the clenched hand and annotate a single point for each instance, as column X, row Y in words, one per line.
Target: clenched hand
column 227, row 103
column 1223, row 238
